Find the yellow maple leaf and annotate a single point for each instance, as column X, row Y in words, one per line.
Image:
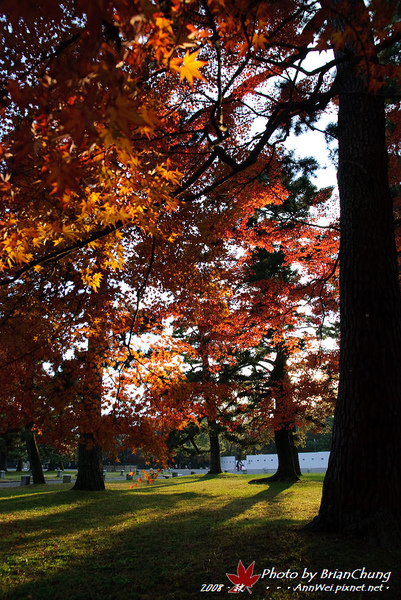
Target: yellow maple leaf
column 259, row 41
column 189, row 67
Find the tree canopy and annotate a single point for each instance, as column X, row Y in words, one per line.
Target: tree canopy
column 141, row 145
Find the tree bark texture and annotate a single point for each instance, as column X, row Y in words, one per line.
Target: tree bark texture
column 3, row 460
column 215, row 462
column 90, row 459
column 34, row 458
column 295, row 455
column 288, row 463
column 90, row 466
column 287, row 454
column 214, row 430
column 362, row 487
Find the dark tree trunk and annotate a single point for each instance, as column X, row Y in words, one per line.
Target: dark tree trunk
column 90, row 466
column 295, row 455
column 288, row 462
column 19, row 465
column 3, row 460
column 362, row 487
column 215, row 463
column 52, row 465
column 90, row 460
column 9, row 440
column 34, row 458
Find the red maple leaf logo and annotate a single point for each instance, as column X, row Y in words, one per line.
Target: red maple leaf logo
column 244, row 579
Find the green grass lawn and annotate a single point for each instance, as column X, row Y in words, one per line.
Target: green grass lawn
column 165, row 540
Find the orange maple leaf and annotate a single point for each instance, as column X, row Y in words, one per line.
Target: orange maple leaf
column 188, row 67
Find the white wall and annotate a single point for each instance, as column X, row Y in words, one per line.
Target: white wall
column 313, row 460
column 267, row 463
column 261, row 462
column 308, row 461
column 228, row 463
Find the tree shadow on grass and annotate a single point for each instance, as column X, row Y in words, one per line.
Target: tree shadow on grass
column 70, row 512
column 156, row 543
column 179, row 536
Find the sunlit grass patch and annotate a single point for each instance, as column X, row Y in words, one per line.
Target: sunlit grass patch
column 164, row 540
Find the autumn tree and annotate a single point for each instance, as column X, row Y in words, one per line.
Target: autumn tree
column 242, row 309
column 368, row 402
column 69, row 369
column 212, row 395
column 34, row 458
column 292, row 268
column 96, row 143
column 71, row 206
column 22, row 376
column 9, row 440
column 355, row 499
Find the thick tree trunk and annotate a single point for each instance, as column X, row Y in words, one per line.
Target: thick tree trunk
column 90, row 466
column 3, row 460
column 34, row 458
column 288, row 463
column 362, row 487
column 215, row 463
column 19, row 465
column 295, row 456
column 90, row 460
